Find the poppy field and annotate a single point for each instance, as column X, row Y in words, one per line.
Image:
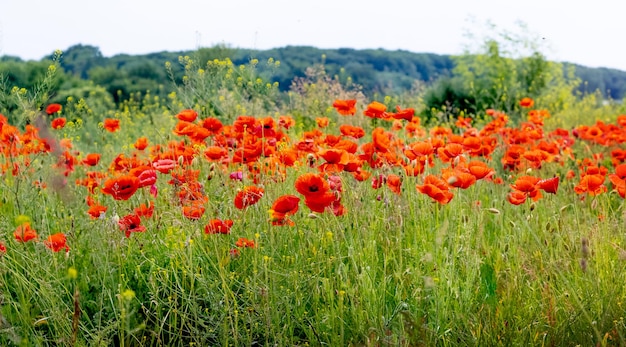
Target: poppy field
column 162, row 224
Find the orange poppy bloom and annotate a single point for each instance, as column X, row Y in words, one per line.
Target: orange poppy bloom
column 322, row 122
column 394, row 182
column 111, row 125
column 215, row 153
column 406, row 114
column 194, row 211
column 24, row 233
column 218, row 226
column 145, row 211
column 243, row 242
column 122, row 187
column 526, row 102
column 352, row 131
column 516, row 197
column 248, row 196
column 96, row 211
column 479, row 169
column 345, row 107
column 131, row 224
column 336, row 159
column 58, row 123
column 459, row 178
column 450, row 151
column 91, row 159
column 593, row 184
column 214, row 125
column 57, row 242
column 436, row 189
column 187, row 115
column 286, row 122
column 141, row 143
column 375, row 110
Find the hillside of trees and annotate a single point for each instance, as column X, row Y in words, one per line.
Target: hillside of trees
column 376, row 71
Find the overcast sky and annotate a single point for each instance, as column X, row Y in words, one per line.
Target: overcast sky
column 584, row 32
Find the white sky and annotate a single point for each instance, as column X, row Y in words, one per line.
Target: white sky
column 584, row 32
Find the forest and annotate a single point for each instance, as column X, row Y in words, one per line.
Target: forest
column 377, row 72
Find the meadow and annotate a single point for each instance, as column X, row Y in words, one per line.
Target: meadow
column 207, row 219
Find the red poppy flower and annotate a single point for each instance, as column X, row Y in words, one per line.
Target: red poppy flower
column 53, row 108
column 91, row 159
column 406, row 114
column 3, row 249
column 310, row 184
column 218, row 226
column 58, row 123
column 131, row 224
column 352, row 131
column 111, row 125
column 526, row 103
column 319, row 203
column 96, row 211
column 345, row 107
column 516, row 197
column 164, row 165
column 394, row 182
column 375, row 110
column 25, row 233
column 322, row 122
column 194, row 211
column 549, row 185
column 187, row 115
column 57, row 242
column 145, row 211
column 248, row 196
column 141, row 143
column 436, row 189
column 283, row 207
column 122, row 187
column 243, row 242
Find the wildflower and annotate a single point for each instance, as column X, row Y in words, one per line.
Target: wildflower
column 375, row 110
column 164, row 165
column 25, row 233
column 187, row 115
column 53, row 108
column 57, row 242
column 145, row 211
column 218, row 226
column 549, row 185
column 91, row 159
column 3, row 248
column 194, row 211
column 248, row 196
column 111, row 125
column 322, row 122
column 526, row 102
column 310, row 185
column 352, row 131
column 58, row 123
column 345, row 107
column 394, row 182
column 141, row 143
column 96, row 211
column 283, row 207
column 436, row 189
column 243, row 242
column 122, row 187
column 131, row 224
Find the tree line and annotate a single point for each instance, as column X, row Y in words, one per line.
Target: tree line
column 376, row 71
